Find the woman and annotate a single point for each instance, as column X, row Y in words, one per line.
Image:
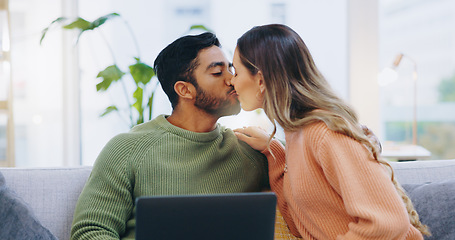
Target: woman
column 330, row 180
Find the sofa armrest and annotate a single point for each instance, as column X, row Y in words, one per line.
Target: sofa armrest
column 51, row 193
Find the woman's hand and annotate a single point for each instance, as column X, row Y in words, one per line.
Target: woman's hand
column 256, row 137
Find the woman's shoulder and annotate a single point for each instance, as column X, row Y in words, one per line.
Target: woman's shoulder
column 315, row 129
column 317, row 132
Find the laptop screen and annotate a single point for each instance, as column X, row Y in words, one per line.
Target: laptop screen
column 221, row 216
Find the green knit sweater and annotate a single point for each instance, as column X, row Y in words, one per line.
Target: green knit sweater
column 158, row 158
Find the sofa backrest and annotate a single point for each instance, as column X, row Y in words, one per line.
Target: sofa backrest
column 419, row 172
column 51, row 193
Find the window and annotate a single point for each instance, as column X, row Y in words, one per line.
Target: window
column 423, row 31
column 5, row 81
column 37, row 74
column 57, row 108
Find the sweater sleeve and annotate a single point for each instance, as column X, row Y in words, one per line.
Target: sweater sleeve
column 106, row 202
column 365, row 188
column 260, row 160
column 277, row 163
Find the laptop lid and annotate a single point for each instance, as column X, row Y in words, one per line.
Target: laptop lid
column 222, row 216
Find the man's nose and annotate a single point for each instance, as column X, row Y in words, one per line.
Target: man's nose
column 229, row 78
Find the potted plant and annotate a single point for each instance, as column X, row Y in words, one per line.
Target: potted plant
column 140, row 103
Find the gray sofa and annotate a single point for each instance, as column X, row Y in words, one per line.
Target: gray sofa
column 52, row 192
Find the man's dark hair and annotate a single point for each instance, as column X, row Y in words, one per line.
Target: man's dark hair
column 178, row 61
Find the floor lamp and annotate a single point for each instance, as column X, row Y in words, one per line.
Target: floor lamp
column 389, row 75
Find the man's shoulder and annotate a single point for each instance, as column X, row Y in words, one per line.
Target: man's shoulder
column 149, row 126
column 139, row 139
column 150, row 129
column 229, row 135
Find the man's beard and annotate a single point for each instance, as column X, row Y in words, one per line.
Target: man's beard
column 215, row 106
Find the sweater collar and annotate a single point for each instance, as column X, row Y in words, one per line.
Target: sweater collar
column 193, row 136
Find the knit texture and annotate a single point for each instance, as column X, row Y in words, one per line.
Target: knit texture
column 158, row 158
column 334, row 189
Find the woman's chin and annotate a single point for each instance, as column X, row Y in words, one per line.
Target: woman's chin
column 247, row 108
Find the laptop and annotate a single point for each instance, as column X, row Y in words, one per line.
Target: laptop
column 221, row 216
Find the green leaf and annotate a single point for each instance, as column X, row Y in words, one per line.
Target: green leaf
column 84, row 25
column 109, row 110
column 138, row 96
column 109, row 75
column 44, row 32
column 101, row 20
column 79, row 23
column 202, row 27
column 141, row 72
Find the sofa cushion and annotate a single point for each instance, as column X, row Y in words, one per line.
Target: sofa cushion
column 435, row 204
column 17, row 220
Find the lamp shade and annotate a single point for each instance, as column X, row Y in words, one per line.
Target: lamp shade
column 387, row 76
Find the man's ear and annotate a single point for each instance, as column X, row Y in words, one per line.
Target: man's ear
column 260, row 81
column 185, row 89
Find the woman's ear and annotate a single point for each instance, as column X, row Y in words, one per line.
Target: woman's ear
column 185, row 89
column 260, row 81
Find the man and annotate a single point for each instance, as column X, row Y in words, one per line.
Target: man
column 184, row 153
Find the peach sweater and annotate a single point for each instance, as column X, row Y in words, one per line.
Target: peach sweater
column 334, row 189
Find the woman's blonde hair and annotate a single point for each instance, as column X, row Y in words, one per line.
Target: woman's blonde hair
column 297, row 94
